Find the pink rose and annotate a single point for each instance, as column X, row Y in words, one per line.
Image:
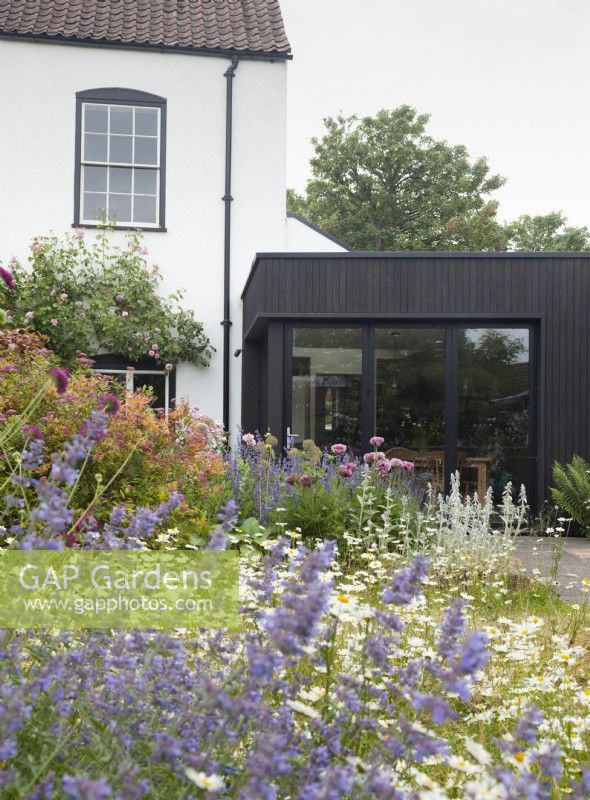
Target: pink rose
column 376, row 441
column 338, row 449
column 152, row 353
column 169, row 367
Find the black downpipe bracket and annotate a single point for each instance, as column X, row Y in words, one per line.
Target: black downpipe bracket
column 227, row 199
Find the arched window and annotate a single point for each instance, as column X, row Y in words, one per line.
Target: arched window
column 120, row 170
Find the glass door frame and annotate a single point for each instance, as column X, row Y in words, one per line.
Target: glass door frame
column 450, row 326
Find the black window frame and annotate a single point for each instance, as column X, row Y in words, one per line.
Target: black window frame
column 129, row 97
column 450, row 326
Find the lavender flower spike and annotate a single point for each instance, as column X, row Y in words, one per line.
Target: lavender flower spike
column 405, row 584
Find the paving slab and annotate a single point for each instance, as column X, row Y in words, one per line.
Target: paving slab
column 571, row 554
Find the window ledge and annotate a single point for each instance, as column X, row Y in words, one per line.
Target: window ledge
column 119, row 227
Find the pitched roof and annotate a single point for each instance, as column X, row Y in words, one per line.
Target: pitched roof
column 248, row 26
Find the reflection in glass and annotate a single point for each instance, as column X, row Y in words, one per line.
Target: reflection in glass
column 410, row 397
column 154, row 383
column 327, row 380
column 493, row 408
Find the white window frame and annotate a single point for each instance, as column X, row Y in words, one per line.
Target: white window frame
column 130, row 383
column 108, row 164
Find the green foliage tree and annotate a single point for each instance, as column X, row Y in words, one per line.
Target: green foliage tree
column 97, row 298
column 572, row 490
column 382, row 183
column 546, row 232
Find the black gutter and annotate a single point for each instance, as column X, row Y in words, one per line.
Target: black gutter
column 254, row 55
column 229, row 75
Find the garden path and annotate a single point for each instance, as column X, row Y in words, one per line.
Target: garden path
column 574, row 564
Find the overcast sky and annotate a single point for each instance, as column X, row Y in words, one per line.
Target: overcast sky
column 510, row 79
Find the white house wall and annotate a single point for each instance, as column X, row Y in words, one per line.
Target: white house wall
column 38, row 85
column 303, row 239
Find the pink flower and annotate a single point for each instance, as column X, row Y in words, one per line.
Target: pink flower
column 61, row 377
column 154, row 347
column 305, row 480
column 376, row 441
column 119, row 298
column 152, row 353
column 249, row 440
column 33, row 431
column 79, row 234
column 54, row 322
column 109, row 403
column 338, row 449
column 376, row 455
column 347, row 470
column 397, row 462
column 383, row 467
column 85, row 361
column 29, row 316
column 408, row 465
column 130, row 369
column 290, row 479
column 8, row 278
column 53, row 292
column 8, row 368
column 169, row 367
column 63, row 297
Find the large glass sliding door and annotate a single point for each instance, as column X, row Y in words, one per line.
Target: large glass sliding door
column 327, row 386
column 445, row 396
column 493, row 411
column 410, row 397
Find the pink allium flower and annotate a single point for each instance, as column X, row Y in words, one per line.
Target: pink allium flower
column 61, row 377
column 54, row 322
column 109, row 403
column 249, row 440
column 8, row 278
column 376, row 441
column 338, row 449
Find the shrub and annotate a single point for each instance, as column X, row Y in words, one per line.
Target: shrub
column 572, row 490
column 182, row 453
column 98, row 298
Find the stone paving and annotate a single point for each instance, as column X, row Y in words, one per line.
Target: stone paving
column 574, row 564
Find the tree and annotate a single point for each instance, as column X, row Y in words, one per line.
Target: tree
column 381, row 183
column 546, row 232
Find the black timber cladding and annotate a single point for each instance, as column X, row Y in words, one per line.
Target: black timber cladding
column 550, row 290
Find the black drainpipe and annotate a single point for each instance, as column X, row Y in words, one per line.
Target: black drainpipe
column 227, row 199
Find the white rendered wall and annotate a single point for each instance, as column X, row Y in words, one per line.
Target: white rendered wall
column 38, row 85
column 303, row 239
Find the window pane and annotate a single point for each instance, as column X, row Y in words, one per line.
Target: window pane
column 94, row 206
column 95, row 118
column 121, row 149
column 155, row 384
column 146, row 150
column 144, row 209
column 145, row 181
column 95, row 179
column 410, row 397
column 327, row 377
column 120, row 180
column 121, row 120
column 146, row 121
column 95, row 147
column 120, row 207
column 494, row 422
